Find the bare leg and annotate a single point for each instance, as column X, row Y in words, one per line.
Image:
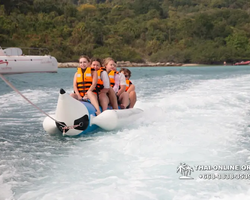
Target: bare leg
column 93, row 98
column 112, row 98
column 104, row 100
column 74, row 95
column 132, row 98
column 124, row 99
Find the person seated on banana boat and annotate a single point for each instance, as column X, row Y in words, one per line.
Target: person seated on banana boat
column 103, row 84
column 117, row 82
column 130, row 87
column 84, row 83
column 110, row 93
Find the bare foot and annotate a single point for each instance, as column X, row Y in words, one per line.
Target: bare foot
column 122, row 106
column 98, row 112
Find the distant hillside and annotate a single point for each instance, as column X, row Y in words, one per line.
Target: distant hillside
column 181, row 31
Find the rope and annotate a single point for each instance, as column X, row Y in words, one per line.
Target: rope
column 69, row 127
column 16, row 90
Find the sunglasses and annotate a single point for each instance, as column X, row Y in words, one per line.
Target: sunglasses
column 126, row 76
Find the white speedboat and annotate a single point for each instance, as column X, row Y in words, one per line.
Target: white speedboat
column 13, row 61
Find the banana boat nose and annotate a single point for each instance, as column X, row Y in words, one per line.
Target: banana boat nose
column 71, row 115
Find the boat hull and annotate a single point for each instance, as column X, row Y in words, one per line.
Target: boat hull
column 27, row 64
column 243, row 63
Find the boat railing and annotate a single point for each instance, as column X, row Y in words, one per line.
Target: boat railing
column 26, row 51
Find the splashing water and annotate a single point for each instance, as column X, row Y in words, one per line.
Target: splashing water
column 199, row 116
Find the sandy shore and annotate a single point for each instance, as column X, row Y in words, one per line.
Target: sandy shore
column 68, row 65
column 129, row 64
column 190, row 64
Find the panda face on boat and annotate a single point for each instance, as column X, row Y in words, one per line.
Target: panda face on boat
column 72, row 113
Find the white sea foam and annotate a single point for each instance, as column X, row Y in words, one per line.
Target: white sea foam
column 203, row 124
column 6, row 192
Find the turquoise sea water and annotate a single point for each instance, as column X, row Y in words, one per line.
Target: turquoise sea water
column 196, row 115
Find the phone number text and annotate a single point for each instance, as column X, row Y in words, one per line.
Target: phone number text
column 225, row 176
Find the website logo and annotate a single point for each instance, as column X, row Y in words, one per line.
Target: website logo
column 185, row 171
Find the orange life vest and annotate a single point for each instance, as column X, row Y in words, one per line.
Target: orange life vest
column 84, row 80
column 112, row 77
column 128, row 83
column 99, row 85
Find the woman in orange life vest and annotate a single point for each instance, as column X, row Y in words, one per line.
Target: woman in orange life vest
column 103, row 85
column 130, row 87
column 117, row 82
column 84, row 83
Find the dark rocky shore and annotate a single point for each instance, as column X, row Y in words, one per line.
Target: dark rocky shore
column 126, row 64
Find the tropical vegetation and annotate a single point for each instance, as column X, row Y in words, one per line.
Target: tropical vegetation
column 186, row 31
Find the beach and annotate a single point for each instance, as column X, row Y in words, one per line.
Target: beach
column 130, row 64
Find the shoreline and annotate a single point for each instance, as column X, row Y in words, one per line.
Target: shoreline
column 129, row 64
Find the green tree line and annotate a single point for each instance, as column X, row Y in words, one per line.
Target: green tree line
column 186, row 31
